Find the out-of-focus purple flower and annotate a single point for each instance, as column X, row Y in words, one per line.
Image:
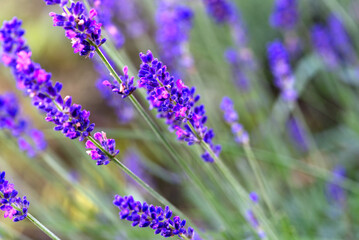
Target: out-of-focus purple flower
column 30, row 140
column 174, row 22
column 155, row 217
column 55, row 2
column 9, row 199
column 285, row 14
column 238, row 66
column 97, row 154
column 80, row 27
column 35, row 82
column 176, row 103
column 252, row 219
column 323, row 44
column 340, row 39
column 220, row 10
column 334, row 191
column 231, row 117
column 297, row 134
column 133, row 162
column 281, row 70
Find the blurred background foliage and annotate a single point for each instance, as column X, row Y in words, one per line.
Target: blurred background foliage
column 74, row 197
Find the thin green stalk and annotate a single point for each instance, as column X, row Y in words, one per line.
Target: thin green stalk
column 259, row 176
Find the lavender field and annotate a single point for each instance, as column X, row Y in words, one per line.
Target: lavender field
column 180, row 119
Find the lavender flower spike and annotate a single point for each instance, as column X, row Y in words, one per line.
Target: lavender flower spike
column 30, row 140
column 35, row 82
column 176, row 103
column 9, row 199
column 231, row 117
column 155, row 217
column 220, row 10
column 252, row 219
column 285, row 14
column 282, row 71
column 109, row 145
column 80, row 27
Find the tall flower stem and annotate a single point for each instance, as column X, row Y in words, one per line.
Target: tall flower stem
column 36, row 222
column 259, row 176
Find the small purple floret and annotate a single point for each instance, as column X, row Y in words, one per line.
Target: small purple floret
column 109, row 145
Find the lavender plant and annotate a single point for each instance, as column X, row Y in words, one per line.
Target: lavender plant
column 219, row 200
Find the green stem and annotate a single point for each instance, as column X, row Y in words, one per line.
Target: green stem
column 42, row 227
column 259, row 176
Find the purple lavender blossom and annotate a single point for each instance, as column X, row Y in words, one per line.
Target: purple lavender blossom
column 282, row 71
column 285, row 14
column 252, row 219
column 323, row 44
column 125, row 88
column 109, row 145
column 176, row 103
column 30, row 140
column 9, row 200
column 340, row 39
column 35, row 82
column 174, row 22
column 220, row 10
column 297, row 134
column 231, row 117
column 336, row 195
column 155, row 217
column 106, row 12
column 56, row 2
column 80, row 27
column 237, row 65
column 133, row 161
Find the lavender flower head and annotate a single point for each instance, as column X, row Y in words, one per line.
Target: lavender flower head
column 220, row 10
column 108, row 149
column 80, row 27
column 336, row 195
column 36, row 83
column 252, row 219
column 297, row 134
column 155, row 217
column 30, row 140
column 174, row 22
column 13, row 207
column 231, row 117
column 282, row 71
column 176, row 103
column 285, row 14
column 323, row 44
column 340, row 39
column 125, row 88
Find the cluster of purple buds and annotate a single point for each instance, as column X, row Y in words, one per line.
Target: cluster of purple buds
column 176, row 103
column 106, row 12
column 332, row 43
column 220, row 10
column 125, row 88
column 237, row 64
column 35, row 82
column 56, row 2
column 298, row 134
column 123, row 109
column 285, row 14
column 30, row 140
column 80, row 27
column 231, row 117
column 108, row 149
column 14, row 207
column 334, row 191
column 155, row 217
column 174, row 23
column 280, row 66
column 252, row 219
